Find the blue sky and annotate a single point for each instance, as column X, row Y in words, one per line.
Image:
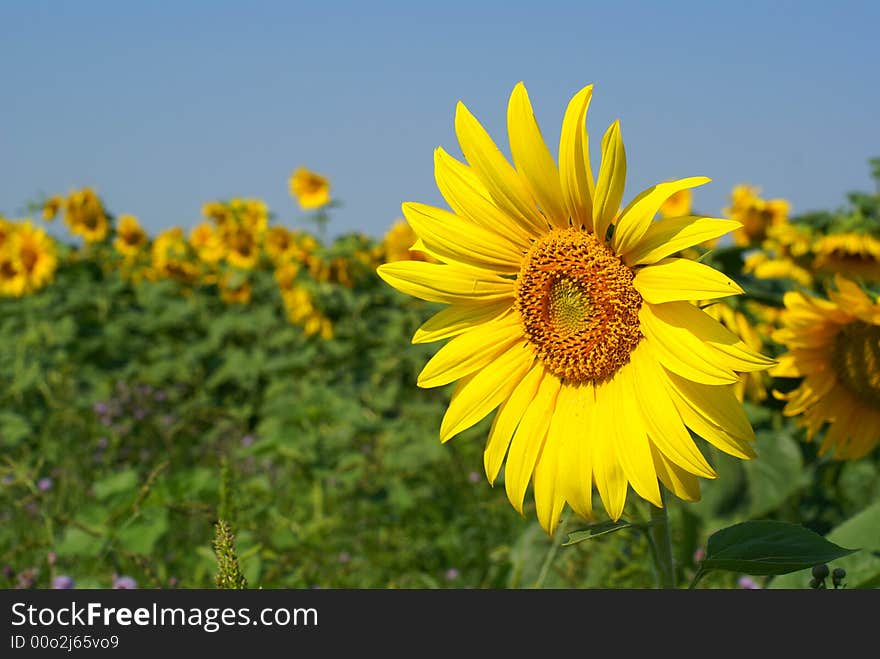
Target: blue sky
column 162, row 106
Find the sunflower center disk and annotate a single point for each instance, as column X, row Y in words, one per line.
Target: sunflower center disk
column 856, row 358
column 578, row 306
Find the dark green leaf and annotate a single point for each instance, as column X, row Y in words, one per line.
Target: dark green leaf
column 765, row 547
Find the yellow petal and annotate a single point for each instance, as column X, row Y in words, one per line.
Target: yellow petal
column 682, row 484
column 559, row 455
column 507, row 419
column 454, row 238
column 673, row 234
column 676, row 353
column 575, row 422
column 682, row 279
column 504, row 183
column 528, row 440
column 575, row 173
column 638, row 215
column 479, row 393
column 610, row 479
column 663, row 422
column 471, row 351
column 444, row 282
column 468, row 197
column 611, row 181
column 458, row 318
column 631, row 438
column 695, row 331
column 713, row 413
column 533, row 159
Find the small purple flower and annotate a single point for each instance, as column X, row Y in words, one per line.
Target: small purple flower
column 101, row 408
column 474, row 477
column 166, row 420
column 124, row 583
column 344, row 557
column 159, row 396
column 140, row 413
column 248, row 440
column 62, row 582
column 106, row 421
column 103, row 443
column 452, row 574
column 44, row 484
column 748, row 583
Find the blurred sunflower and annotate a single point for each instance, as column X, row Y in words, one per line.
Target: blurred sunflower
column 763, row 266
column 834, row 345
column 398, row 243
column 28, row 259
column 850, row 254
column 310, row 189
column 51, row 207
column 751, row 385
column 173, row 258
column 84, row 215
column 241, row 247
column 206, row 240
column 130, row 237
column 281, row 245
column 755, row 214
column 235, row 290
column 568, row 314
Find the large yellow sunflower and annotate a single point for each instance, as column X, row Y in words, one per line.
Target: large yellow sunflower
column 834, row 345
column 568, row 315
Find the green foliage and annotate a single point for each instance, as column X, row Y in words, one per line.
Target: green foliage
column 767, row 547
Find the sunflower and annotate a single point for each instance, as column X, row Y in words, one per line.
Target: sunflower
column 234, row 290
column 241, row 247
column 282, row 246
column 206, row 240
column 84, row 215
column 28, row 260
column 751, row 385
column 834, row 345
column 398, row 242
column 850, row 254
column 173, row 258
column 311, row 190
column 130, row 237
column 755, row 214
column 568, row 315
column 763, row 266
column 51, row 207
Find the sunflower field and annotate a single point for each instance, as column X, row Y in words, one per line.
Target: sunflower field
column 250, row 390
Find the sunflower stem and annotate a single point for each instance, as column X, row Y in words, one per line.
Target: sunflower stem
column 551, row 553
column 662, row 542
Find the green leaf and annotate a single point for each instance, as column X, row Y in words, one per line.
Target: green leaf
column 776, row 475
column 595, row 530
column 76, row 542
column 765, row 547
column 862, row 568
column 118, row 483
column 142, row 534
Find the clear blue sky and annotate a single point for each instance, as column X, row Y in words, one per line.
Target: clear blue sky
column 164, row 105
